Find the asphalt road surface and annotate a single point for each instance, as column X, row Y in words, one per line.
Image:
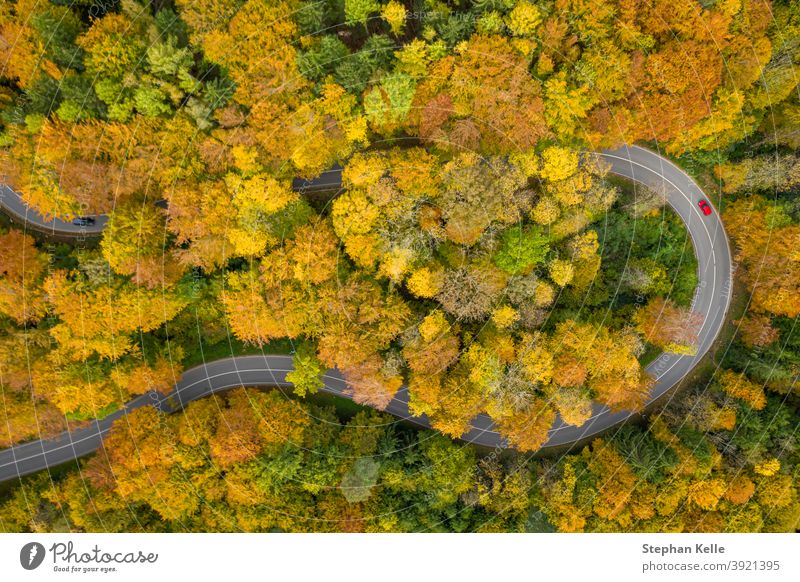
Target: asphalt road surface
column 644, row 167
column 29, row 218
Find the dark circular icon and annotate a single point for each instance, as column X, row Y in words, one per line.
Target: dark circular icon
column 31, row 555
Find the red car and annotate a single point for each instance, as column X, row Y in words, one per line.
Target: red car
column 705, row 207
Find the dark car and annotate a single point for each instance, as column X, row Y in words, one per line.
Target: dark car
column 83, row 221
column 705, row 207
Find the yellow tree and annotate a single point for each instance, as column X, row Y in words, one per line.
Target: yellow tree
column 134, row 244
column 22, row 49
column 739, row 386
column 21, row 268
column 527, row 428
column 767, row 252
column 101, row 318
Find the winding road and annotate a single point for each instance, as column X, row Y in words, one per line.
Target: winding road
column 645, row 167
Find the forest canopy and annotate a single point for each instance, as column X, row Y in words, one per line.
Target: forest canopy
column 477, row 253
